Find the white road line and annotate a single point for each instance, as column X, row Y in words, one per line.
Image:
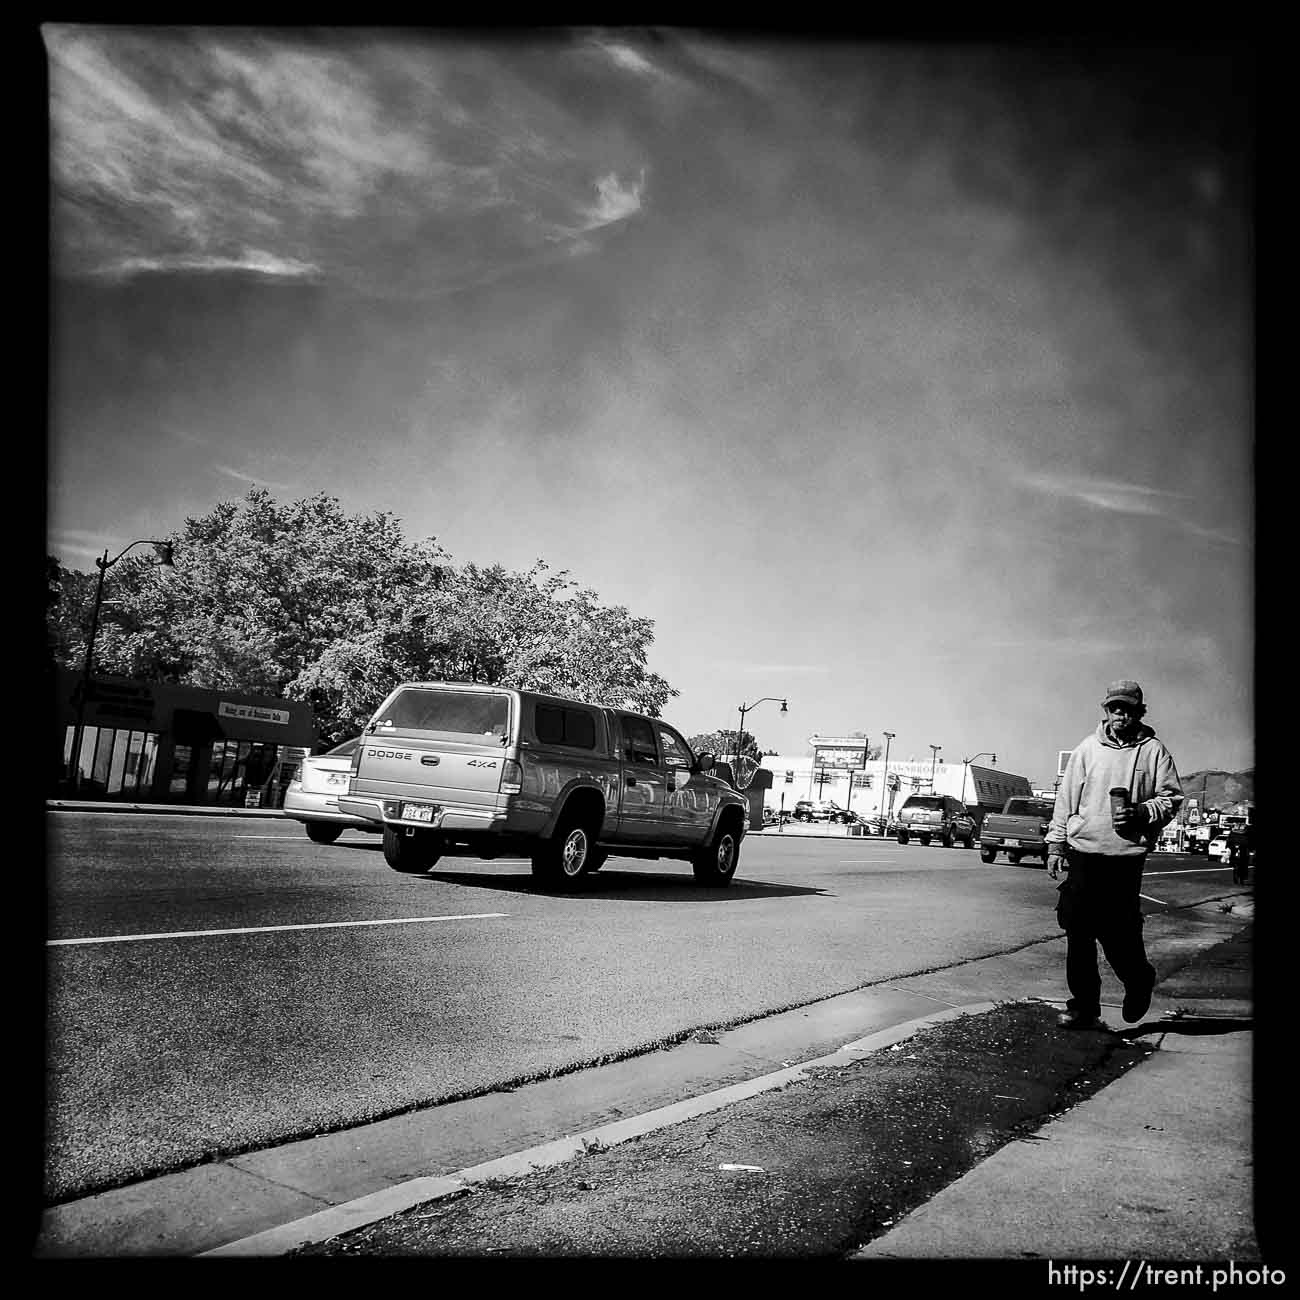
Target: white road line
column 1191, row 871
column 267, row 929
column 1149, row 899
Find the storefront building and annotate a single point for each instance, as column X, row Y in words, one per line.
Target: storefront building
column 150, row 742
column 835, row 770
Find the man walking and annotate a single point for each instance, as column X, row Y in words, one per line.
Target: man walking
column 1119, row 788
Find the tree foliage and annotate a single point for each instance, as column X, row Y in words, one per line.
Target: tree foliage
column 306, row 602
column 723, row 744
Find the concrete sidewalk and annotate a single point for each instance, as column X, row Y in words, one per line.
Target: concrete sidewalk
column 1159, row 1165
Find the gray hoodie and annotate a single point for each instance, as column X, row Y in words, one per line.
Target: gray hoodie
column 1142, row 765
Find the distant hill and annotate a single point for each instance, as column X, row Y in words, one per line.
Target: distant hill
column 1221, row 789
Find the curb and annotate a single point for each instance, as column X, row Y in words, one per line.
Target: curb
column 165, row 809
column 366, row 1210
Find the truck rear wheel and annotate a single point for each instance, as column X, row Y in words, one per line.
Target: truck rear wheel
column 1013, row 858
column 716, row 864
column 925, row 841
column 561, row 861
column 902, row 837
column 411, row 854
column 323, row 832
column 987, row 855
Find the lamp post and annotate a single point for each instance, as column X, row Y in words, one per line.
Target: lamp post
column 884, row 785
column 934, row 760
column 746, row 708
column 966, row 768
column 164, row 550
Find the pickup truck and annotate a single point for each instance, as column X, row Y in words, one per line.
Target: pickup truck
column 1018, row 830
column 935, row 816
column 453, row 768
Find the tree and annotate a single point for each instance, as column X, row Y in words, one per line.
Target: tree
column 307, row 602
column 723, row 744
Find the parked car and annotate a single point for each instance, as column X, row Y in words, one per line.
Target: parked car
column 936, row 816
column 313, row 795
column 823, row 810
column 1218, row 848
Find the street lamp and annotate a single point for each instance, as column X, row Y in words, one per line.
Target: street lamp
column 934, row 759
column 164, row 551
column 744, row 709
column 966, row 768
column 884, row 784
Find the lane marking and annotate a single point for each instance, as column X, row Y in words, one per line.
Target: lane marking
column 267, row 929
column 1191, row 871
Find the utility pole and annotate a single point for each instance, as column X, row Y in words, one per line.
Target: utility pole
column 884, row 785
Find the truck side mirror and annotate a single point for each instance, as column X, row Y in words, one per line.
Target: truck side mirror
column 704, row 762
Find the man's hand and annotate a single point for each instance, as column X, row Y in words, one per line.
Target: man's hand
column 1130, row 818
column 1056, row 861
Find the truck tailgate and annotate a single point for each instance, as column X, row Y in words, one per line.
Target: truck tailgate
column 450, row 772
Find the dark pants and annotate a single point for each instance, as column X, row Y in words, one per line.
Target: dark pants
column 1098, row 903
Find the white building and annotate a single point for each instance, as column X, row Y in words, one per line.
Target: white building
column 835, row 770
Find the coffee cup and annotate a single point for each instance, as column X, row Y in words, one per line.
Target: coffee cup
column 1118, row 800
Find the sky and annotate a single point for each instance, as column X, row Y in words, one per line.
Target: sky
column 910, row 383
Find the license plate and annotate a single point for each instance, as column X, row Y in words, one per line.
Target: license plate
column 420, row 812
column 1012, row 844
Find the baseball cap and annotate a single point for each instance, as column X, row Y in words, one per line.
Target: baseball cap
column 1128, row 691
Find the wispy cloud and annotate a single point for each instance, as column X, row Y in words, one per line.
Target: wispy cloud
column 1109, row 494
column 615, row 201
column 1118, row 497
column 400, row 165
column 256, row 480
column 250, row 263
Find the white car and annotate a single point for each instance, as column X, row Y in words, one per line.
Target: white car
column 313, row 795
column 1218, row 848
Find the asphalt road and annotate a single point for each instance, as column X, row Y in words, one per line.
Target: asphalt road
column 223, row 985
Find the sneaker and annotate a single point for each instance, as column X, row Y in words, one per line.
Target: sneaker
column 1136, row 1003
column 1077, row 1020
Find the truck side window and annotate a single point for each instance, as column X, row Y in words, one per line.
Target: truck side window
column 677, row 752
column 575, row 728
column 640, row 744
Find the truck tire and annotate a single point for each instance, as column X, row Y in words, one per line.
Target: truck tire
column 412, row 855
column 323, row 832
column 562, row 861
column 925, row 841
column 716, row 863
column 902, row 837
column 1013, row 857
column 946, row 840
column 988, row 855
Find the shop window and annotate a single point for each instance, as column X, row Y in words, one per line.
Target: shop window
column 114, row 763
column 237, row 767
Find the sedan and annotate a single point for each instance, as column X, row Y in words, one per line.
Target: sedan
column 313, row 795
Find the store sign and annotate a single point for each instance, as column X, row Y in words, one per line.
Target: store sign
column 252, row 713
column 838, row 756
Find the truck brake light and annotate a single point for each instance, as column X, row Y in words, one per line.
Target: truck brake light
column 512, row 776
